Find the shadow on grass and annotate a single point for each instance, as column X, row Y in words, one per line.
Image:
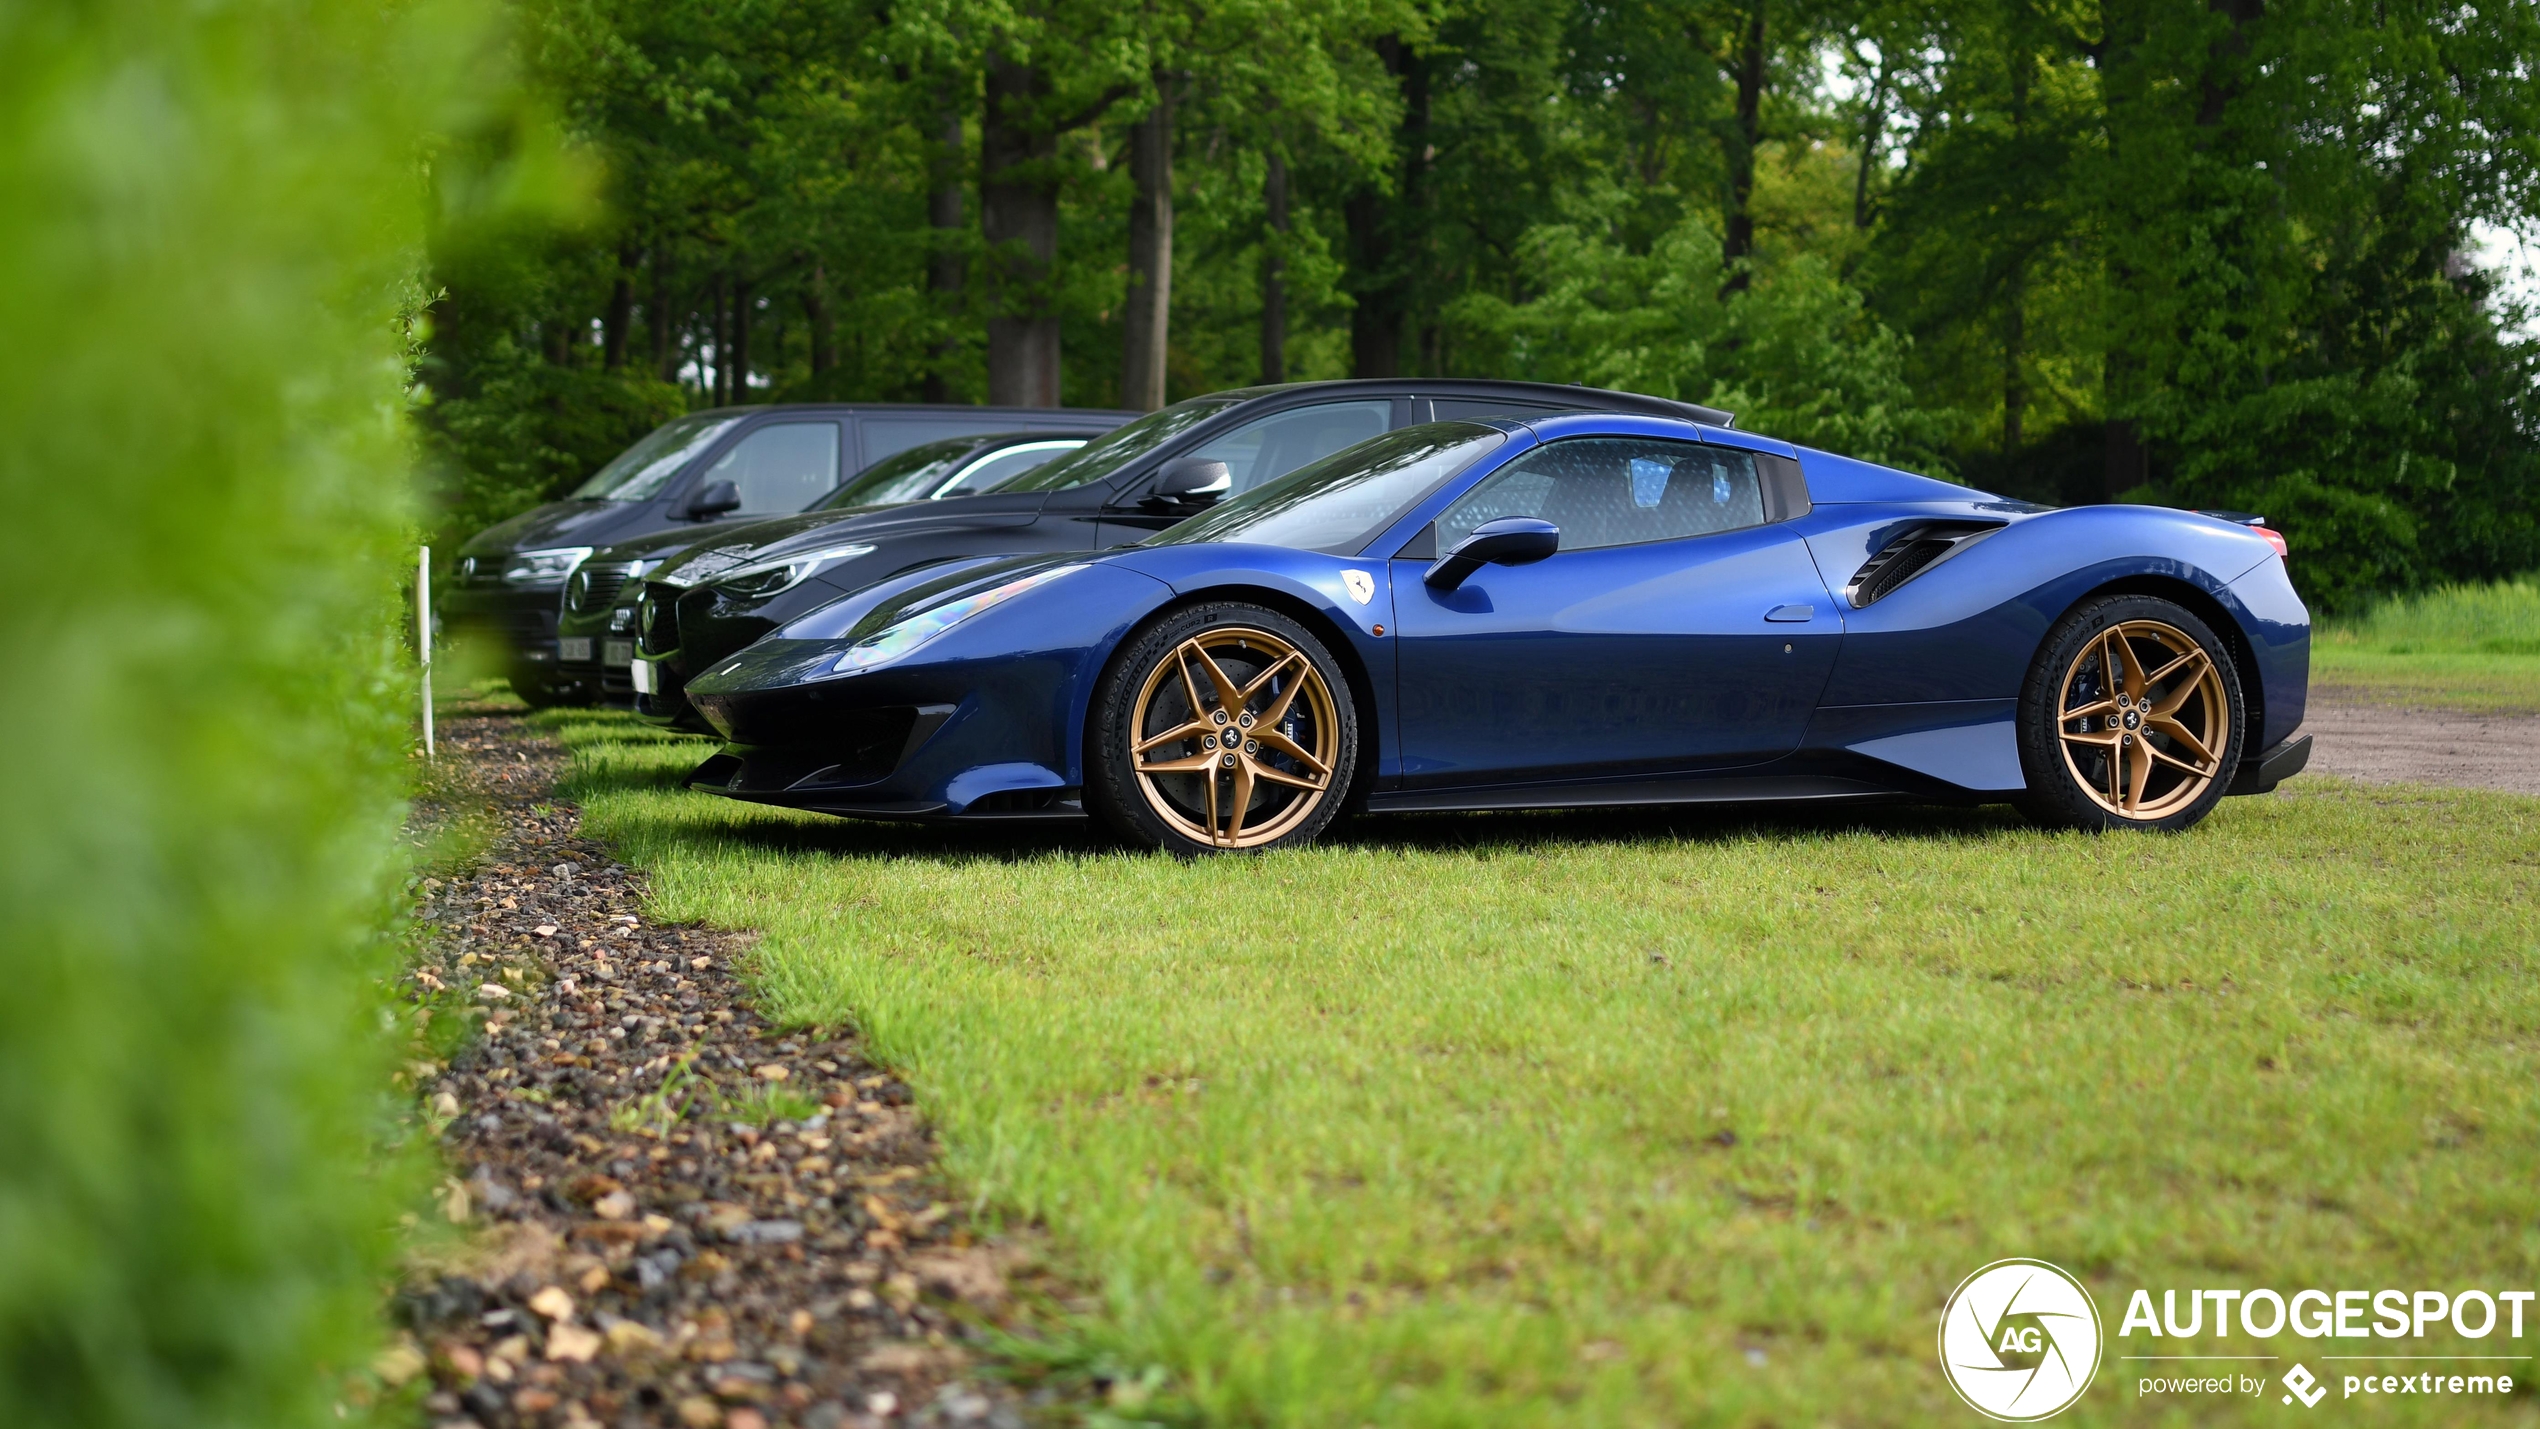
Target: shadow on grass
column 616, row 754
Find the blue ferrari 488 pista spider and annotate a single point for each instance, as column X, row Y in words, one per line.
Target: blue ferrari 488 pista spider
column 1577, row 611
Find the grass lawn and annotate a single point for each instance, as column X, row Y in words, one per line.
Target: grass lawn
column 2474, row 648
column 2480, row 682
column 1662, row 1119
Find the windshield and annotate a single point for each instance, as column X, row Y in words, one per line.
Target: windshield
column 902, row 476
column 1107, row 454
column 1338, row 503
column 642, row 470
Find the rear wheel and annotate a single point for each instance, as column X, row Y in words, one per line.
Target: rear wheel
column 2130, row 718
column 539, row 692
column 1223, row 727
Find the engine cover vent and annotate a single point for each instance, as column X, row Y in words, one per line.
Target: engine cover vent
column 1911, row 552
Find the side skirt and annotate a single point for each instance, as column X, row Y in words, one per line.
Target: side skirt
column 1750, row 789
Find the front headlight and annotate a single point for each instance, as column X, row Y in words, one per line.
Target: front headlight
column 761, row 579
column 548, row 567
column 909, row 632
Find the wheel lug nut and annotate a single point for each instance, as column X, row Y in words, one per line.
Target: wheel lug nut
column 1252, row 746
column 1228, row 761
column 1219, row 716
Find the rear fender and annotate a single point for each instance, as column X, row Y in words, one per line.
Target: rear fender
column 1968, row 627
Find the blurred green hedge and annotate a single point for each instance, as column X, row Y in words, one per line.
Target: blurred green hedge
column 212, row 214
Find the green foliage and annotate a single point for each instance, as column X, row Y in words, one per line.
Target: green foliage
column 205, row 259
column 1793, row 356
column 767, row 1103
column 527, row 431
column 2201, row 255
column 2220, row 245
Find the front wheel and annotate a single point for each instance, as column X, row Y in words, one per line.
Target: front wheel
column 1222, row 727
column 2130, row 718
column 539, row 692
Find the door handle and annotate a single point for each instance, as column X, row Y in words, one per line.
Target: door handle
column 1791, row 614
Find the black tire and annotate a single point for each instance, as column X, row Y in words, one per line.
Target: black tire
column 1293, row 726
column 539, row 693
column 2137, row 752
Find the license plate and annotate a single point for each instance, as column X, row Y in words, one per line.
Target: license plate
column 642, row 674
column 576, row 648
column 617, row 652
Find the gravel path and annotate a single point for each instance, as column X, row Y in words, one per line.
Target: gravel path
column 2390, row 744
column 677, row 1214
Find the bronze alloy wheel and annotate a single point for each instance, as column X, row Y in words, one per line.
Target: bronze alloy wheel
column 1234, row 738
column 2131, row 717
column 2144, row 720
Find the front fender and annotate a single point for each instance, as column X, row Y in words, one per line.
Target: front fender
column 1013, row 679
column 1351, row 595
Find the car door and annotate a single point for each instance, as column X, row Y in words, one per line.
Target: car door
column 1261, row 450
column 1674, row 630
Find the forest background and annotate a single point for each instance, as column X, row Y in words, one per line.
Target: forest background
column 2217, row 255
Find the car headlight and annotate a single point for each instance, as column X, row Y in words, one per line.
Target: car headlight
column 760, row 579
column 909, row 632
column 548, row 567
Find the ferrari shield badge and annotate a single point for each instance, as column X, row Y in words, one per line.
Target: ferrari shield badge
column 1362, row 586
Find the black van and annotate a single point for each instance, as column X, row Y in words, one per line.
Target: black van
column 725, row 463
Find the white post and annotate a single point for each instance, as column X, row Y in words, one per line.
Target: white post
column 423, row 638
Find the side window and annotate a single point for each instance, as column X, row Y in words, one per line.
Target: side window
column 781, row 468
column 889, row 436
column 1276, row 445
column 1616, row 491
column 995, row 471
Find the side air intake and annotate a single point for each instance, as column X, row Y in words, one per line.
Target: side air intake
column 1914, row 550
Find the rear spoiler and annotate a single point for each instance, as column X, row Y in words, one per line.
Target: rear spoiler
column 2257, row 523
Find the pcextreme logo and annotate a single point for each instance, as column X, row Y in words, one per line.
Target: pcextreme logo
column 2019, row 1340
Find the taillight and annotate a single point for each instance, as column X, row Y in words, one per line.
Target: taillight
column 2275, row 538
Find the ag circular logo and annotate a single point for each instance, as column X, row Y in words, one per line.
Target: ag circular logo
column 2019, row 1340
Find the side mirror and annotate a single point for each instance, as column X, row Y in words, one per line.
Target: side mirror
column 1508, row 541
column 714, row 499
column 1191, row 481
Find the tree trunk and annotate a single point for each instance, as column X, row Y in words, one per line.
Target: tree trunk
column 2015, row 287
column 718, row 383
column 657, row 316
column 946, row 217
column 2224, row 58
column 2122, row 27
column 821, row 320
column 621, row 313
column 1018, row 217
column 1375, row 324
column 1274, row 274
column 2014, row 357
column 743, row 303
column 1739, row 243
column 1380, row 232
column 1873, row 126
column 1147, row 323
column 2127, row 465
